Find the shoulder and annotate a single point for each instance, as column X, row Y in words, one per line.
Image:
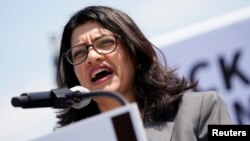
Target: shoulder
column 206, row 105
column 193, row 103
column 197, row 100
column 211, row 95
column 196, row 111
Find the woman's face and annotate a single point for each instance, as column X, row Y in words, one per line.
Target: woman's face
column 111, row 72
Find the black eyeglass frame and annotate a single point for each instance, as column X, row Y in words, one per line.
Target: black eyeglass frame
column 68, row 52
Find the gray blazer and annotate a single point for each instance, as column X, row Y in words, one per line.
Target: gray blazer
column 196, row 111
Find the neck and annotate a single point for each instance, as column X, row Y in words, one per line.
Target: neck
column 106, row 104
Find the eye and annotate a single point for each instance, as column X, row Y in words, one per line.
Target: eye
column 105, row 43
column 79, row 52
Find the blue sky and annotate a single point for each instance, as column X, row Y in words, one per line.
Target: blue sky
column 27, row 53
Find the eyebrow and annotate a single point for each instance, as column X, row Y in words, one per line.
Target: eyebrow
column 94, row 39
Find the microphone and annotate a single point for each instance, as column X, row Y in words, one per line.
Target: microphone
column 56, row 98
column 76, row 97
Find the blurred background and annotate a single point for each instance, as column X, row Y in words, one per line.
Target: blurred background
column 30, row 36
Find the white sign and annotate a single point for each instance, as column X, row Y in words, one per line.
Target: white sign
column 121, row 124
column 215, row 53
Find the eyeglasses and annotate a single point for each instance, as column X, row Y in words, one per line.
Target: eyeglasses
column 104, row 45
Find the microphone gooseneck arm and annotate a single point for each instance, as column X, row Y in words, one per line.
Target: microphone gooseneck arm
column 60, row 98
column 99, row 93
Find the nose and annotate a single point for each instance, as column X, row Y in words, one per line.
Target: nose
column 93, row 56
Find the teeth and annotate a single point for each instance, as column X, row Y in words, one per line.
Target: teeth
column 98, row 71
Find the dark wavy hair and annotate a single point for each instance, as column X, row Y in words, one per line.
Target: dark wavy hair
column 158, row 90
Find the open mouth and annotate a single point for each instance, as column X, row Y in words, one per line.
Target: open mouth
column 100, row 74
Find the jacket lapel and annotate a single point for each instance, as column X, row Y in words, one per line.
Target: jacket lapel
column 160, row 131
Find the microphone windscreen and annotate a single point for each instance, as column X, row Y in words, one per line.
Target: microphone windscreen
column 83, row 102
